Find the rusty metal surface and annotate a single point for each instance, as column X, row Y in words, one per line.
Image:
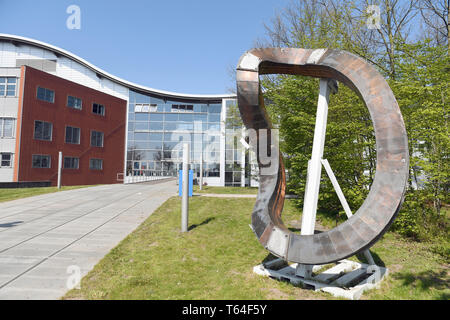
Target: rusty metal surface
column 383, row 202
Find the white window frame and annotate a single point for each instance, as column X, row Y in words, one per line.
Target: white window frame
column 90, row 164
column 99, row 104
column 103, row 138
column 45, row 100
column 11, row 159
column 79, row 135
column 2, row 128
column 42, row 155
column 75, row 98
column 78, row 163
column 5, row 84
column 51, row 131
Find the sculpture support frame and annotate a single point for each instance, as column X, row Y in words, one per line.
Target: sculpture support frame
column 386, row 195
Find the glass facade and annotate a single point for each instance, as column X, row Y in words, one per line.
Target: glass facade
column 158, row 128
column 235, row 153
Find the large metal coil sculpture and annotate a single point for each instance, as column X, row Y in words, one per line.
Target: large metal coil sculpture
column 386, row 194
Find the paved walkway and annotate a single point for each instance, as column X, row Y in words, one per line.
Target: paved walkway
column 48, row 240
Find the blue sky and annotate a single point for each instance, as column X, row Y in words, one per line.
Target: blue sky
column 182, row 46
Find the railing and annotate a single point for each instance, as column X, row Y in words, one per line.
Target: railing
column 137, row 176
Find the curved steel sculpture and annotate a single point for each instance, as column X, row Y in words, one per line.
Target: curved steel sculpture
column 383, row 202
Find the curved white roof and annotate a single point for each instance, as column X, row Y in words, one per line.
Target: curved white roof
column 128, row 84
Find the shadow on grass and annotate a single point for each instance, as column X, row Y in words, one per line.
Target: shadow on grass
column 426, row 280
column 10, row 224
column 269, row 257
column 375, row 257
column 206, row 221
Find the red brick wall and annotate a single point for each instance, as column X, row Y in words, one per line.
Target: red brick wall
column 113, row 125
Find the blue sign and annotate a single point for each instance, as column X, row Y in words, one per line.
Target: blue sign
column 180, row 182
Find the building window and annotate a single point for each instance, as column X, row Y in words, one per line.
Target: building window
column 96, row 164
column 43, row 130
column 74, row 102
column 98, row 109
column 8, row 86
column 71, row 163
column 182, row 108
column 96, row 139
column 72, row 135
column 152, row 107
column 6, row 128
column 5, row 160
column 41, row 161
column 46, row 94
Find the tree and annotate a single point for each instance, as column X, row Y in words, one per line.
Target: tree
column 422, row 94
column 349, row 147
column 343, row 24
column 435, row 16
column 417, row 69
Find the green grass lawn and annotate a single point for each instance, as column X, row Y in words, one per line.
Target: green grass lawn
column 17, row 193
column 214, row 260
column 225, row 190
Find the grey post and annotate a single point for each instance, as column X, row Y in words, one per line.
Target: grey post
column 185, row 189
column 59, row 168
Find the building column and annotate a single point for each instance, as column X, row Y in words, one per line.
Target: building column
column 223, row 117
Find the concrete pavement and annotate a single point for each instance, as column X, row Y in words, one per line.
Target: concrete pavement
column 48, row 242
